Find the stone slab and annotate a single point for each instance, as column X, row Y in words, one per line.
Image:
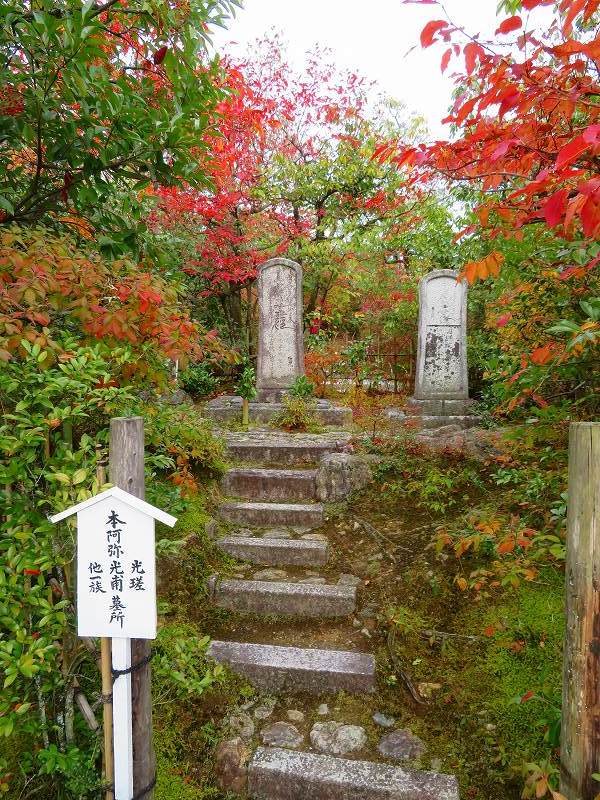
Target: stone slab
column 280, row 336
column 270, row 484
column 276, row 552
column 278, row 774
column 229, row 409
column 441, row 372
column 275, row 447
column 439, row 407
column 277, row 668
column 266, row 514
column 281, row 597
column 433, row 422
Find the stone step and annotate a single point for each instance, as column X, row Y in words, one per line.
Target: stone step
column 276, row 552
column 264, row 515
column 277, row 774
column 283, row 597
column 270, row 484
column 276, row 668
column 277, row 447
column 228, row 408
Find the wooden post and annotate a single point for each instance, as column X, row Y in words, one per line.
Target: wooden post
column 126, row 467
column 580, row 736
column 245, row 412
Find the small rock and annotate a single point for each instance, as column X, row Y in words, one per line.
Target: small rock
column 319, row 581
column 323, row 710
column 270, row 575
column 427, row 689
column 277, row 533
column 240, row 532
column 295, row 716
column 367, row 611
column 349, row 580
column 356, row 526
column 337, row 739
column 401, row 745
column 314, row 537
column 231, row 757
column 395, row 414
column 490, row 727
column 241, row 723
column 211, row 528
column 265, row 709
column 356, row 623
column 383, row 721
column 281, row 734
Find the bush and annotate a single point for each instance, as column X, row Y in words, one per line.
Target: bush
column 297, row 415
column 198, row 380
column 302, row 388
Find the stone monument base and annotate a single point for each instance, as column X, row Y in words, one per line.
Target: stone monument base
column 437, row 413
column 228, row 408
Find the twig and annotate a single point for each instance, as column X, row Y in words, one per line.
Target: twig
column 86, row 711
column 414, row 693
column 382, row 538
column 445, row 635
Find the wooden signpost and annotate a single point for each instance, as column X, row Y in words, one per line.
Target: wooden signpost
column 116, row 600
column 580, row 730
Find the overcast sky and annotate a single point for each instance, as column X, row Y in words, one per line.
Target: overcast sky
column 369, row 36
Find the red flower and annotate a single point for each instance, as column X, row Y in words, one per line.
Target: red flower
column 31, row 572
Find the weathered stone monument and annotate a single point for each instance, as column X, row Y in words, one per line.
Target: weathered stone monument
column 441, row 383
column 280, row 349
column 280, row 330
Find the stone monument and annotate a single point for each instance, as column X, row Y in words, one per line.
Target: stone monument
column 441, row 383
column 280, row 350
column 280, row 329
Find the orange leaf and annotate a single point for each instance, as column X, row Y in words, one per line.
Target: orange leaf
column 446, row 59
column 429, row 31
column 510, row 24
column 542, row 355
column 461, row 583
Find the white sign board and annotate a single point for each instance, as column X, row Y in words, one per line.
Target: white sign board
column 116, row 571
column 116, row 576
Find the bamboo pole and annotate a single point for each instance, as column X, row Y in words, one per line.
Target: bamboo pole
column 580, row 733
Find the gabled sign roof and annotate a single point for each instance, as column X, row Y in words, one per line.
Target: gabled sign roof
column 125, row 497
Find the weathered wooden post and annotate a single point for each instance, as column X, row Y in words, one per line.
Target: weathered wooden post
column 580, row 736
column 126, row 470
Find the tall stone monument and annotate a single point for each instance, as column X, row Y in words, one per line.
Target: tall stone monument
column 280, row 330
column 280, row 350
column 441, row 384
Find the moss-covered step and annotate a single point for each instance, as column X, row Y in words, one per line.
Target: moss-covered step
column 277, row 774
column 276, row 552
column 264, row 515
column 277, row 668
column 282, row 597
column 277, row 447
column 270, row 484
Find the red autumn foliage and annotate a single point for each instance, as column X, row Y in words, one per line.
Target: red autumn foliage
column 528, row 121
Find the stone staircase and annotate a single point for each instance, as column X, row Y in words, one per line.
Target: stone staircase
column 271, row 520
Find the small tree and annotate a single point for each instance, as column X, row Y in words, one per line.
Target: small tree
column 247, row 390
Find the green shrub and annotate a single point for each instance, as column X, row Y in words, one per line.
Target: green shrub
column 198, row 380
column 297, row 414
column 302, row 387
